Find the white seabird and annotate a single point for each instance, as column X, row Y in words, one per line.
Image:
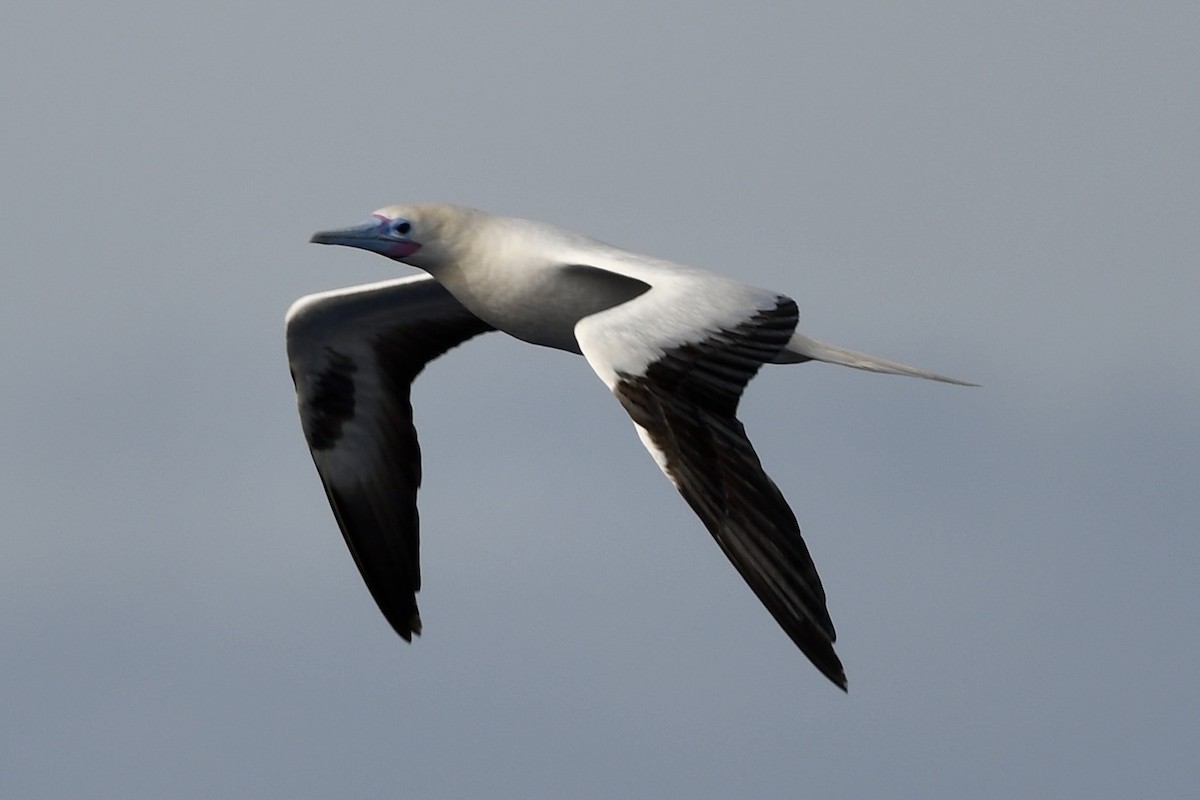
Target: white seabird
column 676, row 346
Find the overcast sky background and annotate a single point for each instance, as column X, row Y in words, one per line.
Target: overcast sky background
column 1007, row 193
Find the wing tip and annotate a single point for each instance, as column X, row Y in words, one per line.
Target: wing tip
column 408, row 628
column 817, row 646
column 831, row 667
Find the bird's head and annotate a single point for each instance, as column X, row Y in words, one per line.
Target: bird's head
column 427, row 236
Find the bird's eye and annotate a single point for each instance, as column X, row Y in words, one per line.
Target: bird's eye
column 401, row 227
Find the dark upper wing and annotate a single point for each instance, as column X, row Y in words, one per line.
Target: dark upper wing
column 353, row 355
column 684, row 400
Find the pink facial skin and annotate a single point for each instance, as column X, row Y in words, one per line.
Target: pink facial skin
column 400, row 249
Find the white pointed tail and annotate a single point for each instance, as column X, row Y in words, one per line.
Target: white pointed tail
column 800, row 348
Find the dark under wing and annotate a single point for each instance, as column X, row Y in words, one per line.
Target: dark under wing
column 687, row 402
column 353, row 357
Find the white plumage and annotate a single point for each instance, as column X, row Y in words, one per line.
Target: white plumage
column 675, row 345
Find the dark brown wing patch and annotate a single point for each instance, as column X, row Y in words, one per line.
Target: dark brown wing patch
column 687, row 401
column 353, row 359
column 331, row 403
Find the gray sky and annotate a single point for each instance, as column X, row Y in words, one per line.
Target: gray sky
column 1002, row 192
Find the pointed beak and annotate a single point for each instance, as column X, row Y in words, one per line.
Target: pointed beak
column 373, row 235
column 355, row 236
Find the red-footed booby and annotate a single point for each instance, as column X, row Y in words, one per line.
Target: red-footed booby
column 675, row 345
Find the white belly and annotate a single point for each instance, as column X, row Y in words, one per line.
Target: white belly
column 541, row 306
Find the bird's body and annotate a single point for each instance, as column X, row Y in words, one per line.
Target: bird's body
column 676, row 346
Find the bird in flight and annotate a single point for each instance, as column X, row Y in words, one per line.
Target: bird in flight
column 674, row 344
